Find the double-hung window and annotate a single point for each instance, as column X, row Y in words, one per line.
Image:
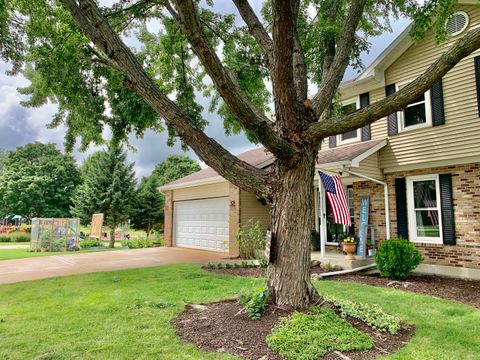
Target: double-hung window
column 424, row 212
column 348, row 107
column 417, row 114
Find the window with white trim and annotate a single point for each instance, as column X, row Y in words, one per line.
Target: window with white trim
column 348, row 107
column 417, row 114
column 424, row 212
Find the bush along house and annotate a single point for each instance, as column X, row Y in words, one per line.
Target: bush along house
column 418, row 169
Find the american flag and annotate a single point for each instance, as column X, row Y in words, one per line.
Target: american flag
column 337, row 199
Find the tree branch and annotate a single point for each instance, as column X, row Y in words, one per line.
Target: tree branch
column 241, row 107
column 96, row 28
column 396, row 102
column 283, row 77
column 256, row 29
column 331, row 80
column 299, row 66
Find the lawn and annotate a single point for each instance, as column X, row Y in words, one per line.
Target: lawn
column 91, row 316
column 9, row 254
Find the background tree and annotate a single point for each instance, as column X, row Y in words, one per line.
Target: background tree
column 3, row 158
column 37, row 180
column 149, row 201
column 80, row 58
column 108, row 188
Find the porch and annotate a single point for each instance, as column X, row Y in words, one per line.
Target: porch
column 337, row 259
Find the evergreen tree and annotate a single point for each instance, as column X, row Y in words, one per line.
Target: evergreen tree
column 108, row 188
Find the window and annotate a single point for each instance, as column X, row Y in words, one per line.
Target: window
column 417, row 114
column 348, row 107
column 424, row 215
column 351, row 209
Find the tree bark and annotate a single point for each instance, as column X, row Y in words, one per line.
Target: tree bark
column 288, row 277
column 111, row 244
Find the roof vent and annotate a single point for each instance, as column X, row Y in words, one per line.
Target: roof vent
column 456, row 23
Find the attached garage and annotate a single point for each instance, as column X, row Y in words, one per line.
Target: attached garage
column 201, row 224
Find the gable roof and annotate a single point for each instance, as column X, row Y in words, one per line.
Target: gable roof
column 350, row 155
column 257, row 157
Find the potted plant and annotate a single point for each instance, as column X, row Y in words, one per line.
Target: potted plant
column 349, row 246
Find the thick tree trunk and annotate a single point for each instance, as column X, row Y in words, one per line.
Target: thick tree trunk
column 112, row 238
column 288, row 277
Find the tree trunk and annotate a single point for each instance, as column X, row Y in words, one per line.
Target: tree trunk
column 111, row 244
column 288, row 277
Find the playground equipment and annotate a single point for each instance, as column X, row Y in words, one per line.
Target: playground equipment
column 55, row 234
column 97, row 231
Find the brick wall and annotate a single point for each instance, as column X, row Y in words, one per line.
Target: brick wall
column 466, row 202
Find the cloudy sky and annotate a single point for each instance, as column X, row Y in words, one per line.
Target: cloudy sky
column 20, row 125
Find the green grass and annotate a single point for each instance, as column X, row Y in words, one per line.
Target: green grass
column 14, row 243
column 91, row 316
column 9, row 254
column 310, row 336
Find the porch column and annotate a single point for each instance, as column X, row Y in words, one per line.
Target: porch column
column 323, row 222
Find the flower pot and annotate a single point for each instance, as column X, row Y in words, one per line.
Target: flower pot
column 349, row 248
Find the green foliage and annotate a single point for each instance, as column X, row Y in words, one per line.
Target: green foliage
column 139, row 303
column 255, row 302
column 263, row 263
column 90, row 243
column 174, row 167
column 370, row 314
column 432, row 15
column 137, row 243
column 250, row 237
column 38, row 181
column 396, row 258
column 15, row 237
column 108, row 188
column 310, row 336
column 148, row 206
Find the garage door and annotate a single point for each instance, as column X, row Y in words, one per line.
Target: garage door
column 201, row 224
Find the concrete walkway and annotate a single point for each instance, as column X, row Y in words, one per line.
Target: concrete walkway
column 12, row 271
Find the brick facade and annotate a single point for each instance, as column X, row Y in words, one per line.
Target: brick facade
column 466, row 201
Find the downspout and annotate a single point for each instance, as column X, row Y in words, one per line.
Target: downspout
column 385, row 190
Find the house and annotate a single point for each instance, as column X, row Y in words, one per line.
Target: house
column 420, row 167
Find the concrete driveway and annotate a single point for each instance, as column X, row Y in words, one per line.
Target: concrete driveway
column 12, row 271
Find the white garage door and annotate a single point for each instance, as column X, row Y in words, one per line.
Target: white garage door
column 201, row 224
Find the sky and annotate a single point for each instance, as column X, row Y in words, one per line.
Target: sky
column 20, row 126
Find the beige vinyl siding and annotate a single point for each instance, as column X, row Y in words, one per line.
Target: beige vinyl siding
column 370, row 167
column 379, row 129
column 202, row 191
column 458, row 138
column 251, row 208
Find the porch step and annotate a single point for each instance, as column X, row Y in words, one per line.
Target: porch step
column 337, row 259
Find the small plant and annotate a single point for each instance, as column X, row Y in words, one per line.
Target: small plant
column 263, row 263
column 236, row 266
column 349, row 240
column 137, row 243
column 228, row 266
column 250, row 237
column 396, row 258
column 244, row 265
column 90, row 243
column 372, row 315
column 139, row 303
column 255, row 302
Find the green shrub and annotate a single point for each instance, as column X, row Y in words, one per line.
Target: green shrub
column 263, row 263
column 90, row 243
column 137, row 243
column 5, row 238
column 250, row 237
column 255, row 302
column 396, row 258
column 311, row 336
column 20, row 237
column 372, row 315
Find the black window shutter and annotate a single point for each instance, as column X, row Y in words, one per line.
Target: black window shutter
column 392, row 118
column 436, row 96
column 448, row 216
column 401, row 202
column 332, row 141
column 365, row 101
column 477, row 80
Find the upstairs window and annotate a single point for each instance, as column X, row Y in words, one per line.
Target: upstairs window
column 348, row 107
column 417, row 114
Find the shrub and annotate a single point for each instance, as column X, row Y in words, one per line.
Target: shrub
column 311, row 336
column 20, row 237
column 372, row 315
column 137, row 243
column 396, row 258
column 255, row 302
column 250, row 237
column 90, row 243
column 5, row 238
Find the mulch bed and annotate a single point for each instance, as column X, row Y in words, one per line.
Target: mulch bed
column 459, row 290
column 216, row 328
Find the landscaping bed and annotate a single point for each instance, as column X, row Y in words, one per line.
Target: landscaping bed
column 459, row 290
column 218, row 327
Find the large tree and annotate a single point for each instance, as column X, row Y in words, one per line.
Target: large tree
column 108, row 187
column 149, row 201
column 37, row 180
column 76, row 52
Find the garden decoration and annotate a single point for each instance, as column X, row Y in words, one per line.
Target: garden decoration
column 349, row 246
column 55, row 234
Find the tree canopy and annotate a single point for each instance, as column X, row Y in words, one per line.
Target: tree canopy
column 77, row 53
column 37, row 180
